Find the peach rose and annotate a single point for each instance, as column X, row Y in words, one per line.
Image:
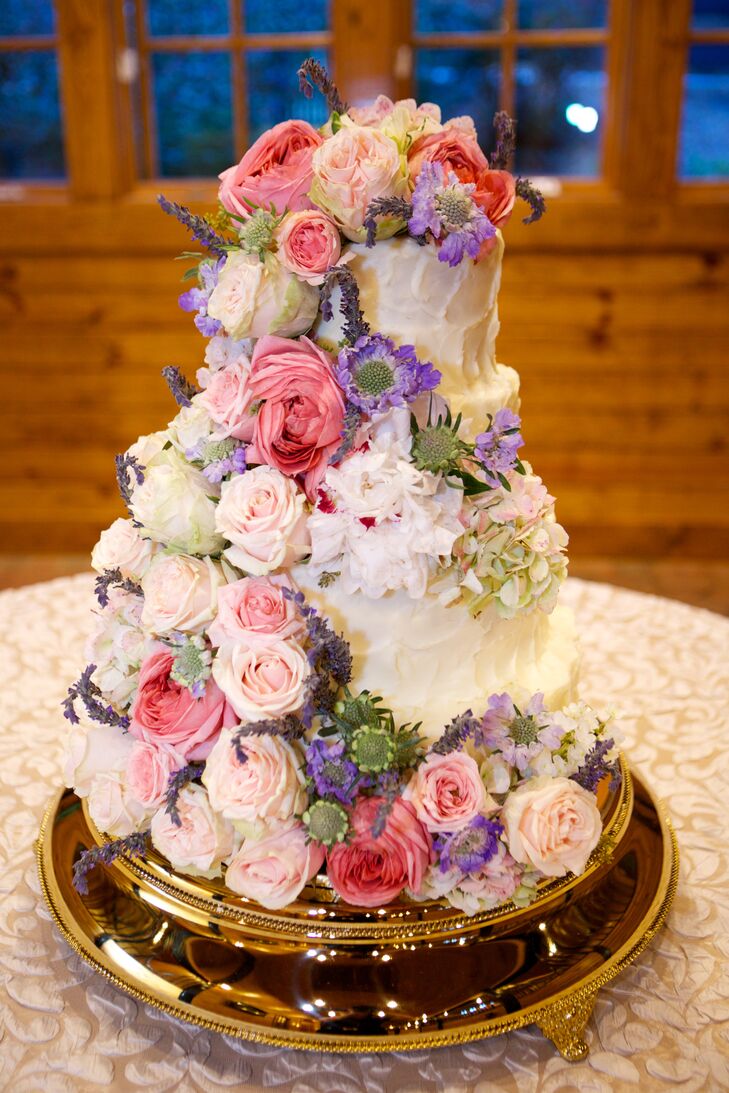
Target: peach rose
column 456, row 150
column 149, row 769
column 446, row 792
column 262, row 682
column 200, row 842
column 308, row 244
column 276, row 170
column 352, row 168
column 299, row 425
column 262, row 514
column 255, row 611
column 269, row 786
column 227, row 399
column 121, row 547
column 180, row 593
column 495, row 193
column 552, row 824
column 369, row 871
column 273, row 870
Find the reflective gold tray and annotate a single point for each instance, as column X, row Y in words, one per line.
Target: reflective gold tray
column 325, row 976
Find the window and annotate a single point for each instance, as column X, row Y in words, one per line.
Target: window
column 704, row 142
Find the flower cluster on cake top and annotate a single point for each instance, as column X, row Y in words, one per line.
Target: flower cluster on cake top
column 221, row 721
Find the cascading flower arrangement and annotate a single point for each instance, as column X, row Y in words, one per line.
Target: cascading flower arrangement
column 218, row 721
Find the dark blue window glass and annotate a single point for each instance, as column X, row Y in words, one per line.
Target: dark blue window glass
column 461, row 81
column 187, row 17
column 704, row 142
column 26, row 17
column 192, row 110
column 273, row 90
column 30, row 133
column 543, row 14
column 442, row 16
column 560, row 96
column 285, row 16
column 710, row 14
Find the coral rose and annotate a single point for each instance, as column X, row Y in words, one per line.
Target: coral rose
column 202, row 839
column 273, row 870
column 264, row 681
column 308, row 244
column 276, row 170
column 447, row 792
column 299, row 426
column 268, row 787
column 262, row 515
column 370, row 871
column 164, row 712
column 552, row 824
column 255, row 611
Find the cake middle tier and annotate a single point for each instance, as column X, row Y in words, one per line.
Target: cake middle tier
column 429, row 662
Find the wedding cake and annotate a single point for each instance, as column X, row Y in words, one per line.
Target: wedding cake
column 328, row 641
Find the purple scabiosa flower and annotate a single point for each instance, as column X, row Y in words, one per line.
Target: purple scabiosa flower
column 470, row 849
column 332, row 774
column 376, row 375
column 196, row 299
column 446, row 209
column 519, row 735
column 219, row 457
column 497, row 448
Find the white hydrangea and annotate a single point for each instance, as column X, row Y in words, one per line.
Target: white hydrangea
column 118, row 646
column 220, row 351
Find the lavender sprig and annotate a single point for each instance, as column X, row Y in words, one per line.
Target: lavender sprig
column 355, row 324
column 350, row 425
column 396, row 207
column 86, row 691
column 329, row 656
column 505, row 130
column 595, row 767
column 124, row 465
column 528, row 192
column 112, row 578
column 286, row 728
column 182, row 391
column 389, row 787
column 199, row 228
column 177, row 782
column 312, row 75
column 457, row 732
column 134, row 846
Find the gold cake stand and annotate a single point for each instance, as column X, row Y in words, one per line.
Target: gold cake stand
column 326, row 976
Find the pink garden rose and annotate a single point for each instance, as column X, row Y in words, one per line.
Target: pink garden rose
column 255, row 611
column 273, row 870
column 308, row 244
column 300, row 423
column 227, row 399
column 276, row 170
column 164, row 712
column 263, row 516
column 269, row 787
column 552, row 824
column 370, row 871
column 447, row 793
column 149, row 769
column 202, row 840
column 262, row 681
column 180, row 592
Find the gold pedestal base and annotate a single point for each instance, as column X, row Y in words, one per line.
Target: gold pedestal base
column 328, row 977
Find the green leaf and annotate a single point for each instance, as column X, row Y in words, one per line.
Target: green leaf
column 504, row 482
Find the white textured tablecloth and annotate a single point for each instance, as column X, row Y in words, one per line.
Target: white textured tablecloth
column 663, row 1022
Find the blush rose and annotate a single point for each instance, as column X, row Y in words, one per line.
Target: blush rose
column 370, row 871
column 262, row 682
column 552, row 824
column 255, row 611
column 148, row 771
column 227, row 399
column 262, row 514
column 447, row 792
column 276, row 170
column 121, row 547
column 273, row 870
column 201, row 841
column 180, row 593
column 269, row 787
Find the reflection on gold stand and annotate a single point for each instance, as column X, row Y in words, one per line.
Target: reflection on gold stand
column 326, row 976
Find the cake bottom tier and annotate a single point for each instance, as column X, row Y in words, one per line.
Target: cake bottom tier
column 429, row 662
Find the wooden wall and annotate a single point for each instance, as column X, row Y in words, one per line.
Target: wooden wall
column 623, row 358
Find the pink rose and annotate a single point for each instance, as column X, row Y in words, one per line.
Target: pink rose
column 227, row 399
column 446, row 792
column 369, row 871
column 263, row 516
column 200, row 842
column 495, row 192
column 264, row 681
column 273, row 870
column 164, row 712
column 268, row 787
column 299, row 426
column 308, row 244
column 552, row 824
column 255, row 611
column 149, row 769
column 180, row 593
column 276, row 170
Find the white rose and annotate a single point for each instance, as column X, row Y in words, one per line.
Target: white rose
column 552, row 824
column 121, row 547
column 191, row 426
column 268, row 787
column 262, row 514
column 180, row 593
column 174, row 506
column 94, row 751
column 273, row 870
column 113, row 807
column 254, row 297
column 203, row 839
column 264, row 681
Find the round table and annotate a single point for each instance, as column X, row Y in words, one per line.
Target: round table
column 663, row 1021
